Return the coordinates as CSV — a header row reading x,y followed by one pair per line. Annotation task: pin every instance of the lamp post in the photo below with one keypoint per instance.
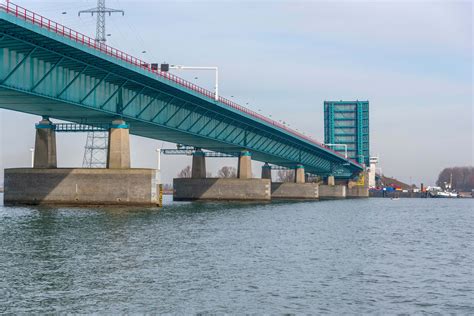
x,y
32,151
216,87
339,145
158,170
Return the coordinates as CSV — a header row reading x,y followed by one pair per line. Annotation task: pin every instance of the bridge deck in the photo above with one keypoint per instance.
x,y
51,70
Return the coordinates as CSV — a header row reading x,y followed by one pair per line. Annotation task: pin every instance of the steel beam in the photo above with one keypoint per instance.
x,y
72,81
162,109
22,61
238,135
133,98
196,121
113,94
147,106
207,123
227,126
191,112
230,133
214,128
180,107
95,87
54,66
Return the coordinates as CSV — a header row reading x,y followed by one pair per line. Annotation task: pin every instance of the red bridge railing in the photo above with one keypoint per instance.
x,y
88,41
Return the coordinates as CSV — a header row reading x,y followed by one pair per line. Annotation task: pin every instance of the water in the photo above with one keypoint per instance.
x,y
337,257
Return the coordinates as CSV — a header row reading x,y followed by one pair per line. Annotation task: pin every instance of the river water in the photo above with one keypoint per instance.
x,y
336,257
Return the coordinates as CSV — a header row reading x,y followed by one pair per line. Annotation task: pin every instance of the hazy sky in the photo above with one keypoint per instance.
x,y
411,60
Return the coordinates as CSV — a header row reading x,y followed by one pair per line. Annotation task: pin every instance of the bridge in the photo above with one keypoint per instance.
x,y
53,71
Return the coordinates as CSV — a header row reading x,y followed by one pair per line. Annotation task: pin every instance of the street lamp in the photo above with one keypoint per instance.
x,y
216,87
32,151
339,145
158,170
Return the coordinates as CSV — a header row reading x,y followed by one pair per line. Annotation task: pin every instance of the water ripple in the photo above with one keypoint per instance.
x,y
336,257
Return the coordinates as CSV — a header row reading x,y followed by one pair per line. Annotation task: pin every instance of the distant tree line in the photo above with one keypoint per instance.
x,y
463,178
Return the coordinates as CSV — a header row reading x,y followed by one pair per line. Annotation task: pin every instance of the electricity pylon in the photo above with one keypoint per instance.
x,y
95,151
101,10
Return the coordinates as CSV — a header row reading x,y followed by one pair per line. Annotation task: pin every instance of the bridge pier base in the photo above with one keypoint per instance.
x,y
297,190
356,189
331,190
45,145
244,188
221,189
81,187
45,184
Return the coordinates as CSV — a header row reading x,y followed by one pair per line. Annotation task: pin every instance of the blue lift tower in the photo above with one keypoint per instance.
x,y
346,128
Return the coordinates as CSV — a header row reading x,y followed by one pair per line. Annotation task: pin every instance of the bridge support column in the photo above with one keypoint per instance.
x,y
45,145
227,189
299,174
331,180
199,165
245,165
296,190
118,155
267,171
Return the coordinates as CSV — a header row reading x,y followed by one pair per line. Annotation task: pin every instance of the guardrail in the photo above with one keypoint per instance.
x,y
88,41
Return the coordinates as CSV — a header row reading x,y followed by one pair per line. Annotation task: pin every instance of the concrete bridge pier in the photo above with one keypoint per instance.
x,y
244,169
45,145
331,191
299,174
116,185
359,188
297,190
198,170
267,171
330,181
242,188
118,153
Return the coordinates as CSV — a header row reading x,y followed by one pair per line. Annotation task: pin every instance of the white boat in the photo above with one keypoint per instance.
x,y
444,194
448,192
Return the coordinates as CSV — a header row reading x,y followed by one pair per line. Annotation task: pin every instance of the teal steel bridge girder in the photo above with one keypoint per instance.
x,y
47,74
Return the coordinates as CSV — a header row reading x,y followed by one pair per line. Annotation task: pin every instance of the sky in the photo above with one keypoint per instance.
x,y
411,59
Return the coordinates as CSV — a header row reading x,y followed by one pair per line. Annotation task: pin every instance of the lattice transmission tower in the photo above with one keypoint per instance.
x,y
95,151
